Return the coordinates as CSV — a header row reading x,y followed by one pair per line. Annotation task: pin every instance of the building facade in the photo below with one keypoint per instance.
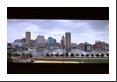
x,y
68,41
51,41
73,45
33,43
28,38
63,42
101,46
40,41
17,43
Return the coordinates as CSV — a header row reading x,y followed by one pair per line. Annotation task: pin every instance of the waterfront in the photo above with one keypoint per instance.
x,y
43,52
42,55
61,60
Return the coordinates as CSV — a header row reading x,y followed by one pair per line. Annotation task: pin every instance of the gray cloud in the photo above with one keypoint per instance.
x,y
81,30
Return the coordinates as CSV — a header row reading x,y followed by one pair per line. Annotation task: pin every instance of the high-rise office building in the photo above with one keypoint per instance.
x,y
40,41
54,41
63,42
32,43
67,41
23,42
51,41
28,38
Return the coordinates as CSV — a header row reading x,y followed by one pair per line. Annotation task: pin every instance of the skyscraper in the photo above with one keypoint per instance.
x,y
40,41
23,42
63,42
28,38
54,41
51,41
67,41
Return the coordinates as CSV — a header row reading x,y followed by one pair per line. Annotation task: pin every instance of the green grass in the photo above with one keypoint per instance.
x,y
89,60
86,60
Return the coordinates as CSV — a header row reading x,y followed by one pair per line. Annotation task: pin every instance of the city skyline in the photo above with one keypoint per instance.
x,y
81,30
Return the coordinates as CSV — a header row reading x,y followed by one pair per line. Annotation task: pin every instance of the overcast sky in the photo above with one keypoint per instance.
x,y
81,30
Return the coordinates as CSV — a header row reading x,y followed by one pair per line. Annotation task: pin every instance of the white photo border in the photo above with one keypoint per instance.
x,y
58,77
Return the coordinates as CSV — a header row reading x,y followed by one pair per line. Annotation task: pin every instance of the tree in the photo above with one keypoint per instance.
x,y
47,55
67,55
82,55
51,54
92,55
77,54
30,55
61,54
9,57
107,54
42,55
9,54
97,55
16,54
72,55
57,54
32,61
102,55
14,49
22,54
87,55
